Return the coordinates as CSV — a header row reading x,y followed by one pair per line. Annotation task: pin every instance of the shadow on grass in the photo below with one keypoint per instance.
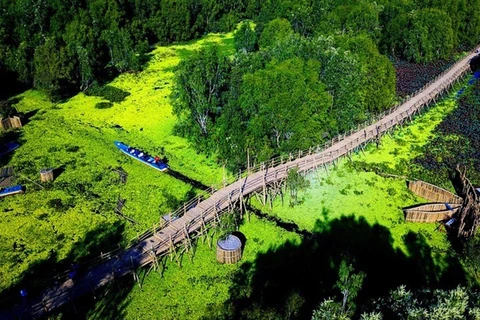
x,y
10,136
58,171
50,272
10,85
28,117
194,183
108,302
291,280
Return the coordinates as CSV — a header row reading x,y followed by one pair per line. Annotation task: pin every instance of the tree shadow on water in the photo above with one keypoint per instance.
x,y
290,281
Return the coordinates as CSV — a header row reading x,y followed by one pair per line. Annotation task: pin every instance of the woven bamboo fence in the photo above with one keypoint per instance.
x,y
433,193
10,123
430,212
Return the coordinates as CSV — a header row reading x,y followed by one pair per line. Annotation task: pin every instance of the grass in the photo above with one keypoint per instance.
x,y
73,216
200,287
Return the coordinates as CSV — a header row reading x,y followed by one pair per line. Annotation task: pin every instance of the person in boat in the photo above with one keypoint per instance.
x,y
157,159
132,151
141,154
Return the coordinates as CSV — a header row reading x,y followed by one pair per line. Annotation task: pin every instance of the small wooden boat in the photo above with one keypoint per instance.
x,y
141,156
432,193
431,212
8,147
11,190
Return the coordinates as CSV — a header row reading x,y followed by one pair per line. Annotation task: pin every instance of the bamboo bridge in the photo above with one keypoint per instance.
x,y
195,217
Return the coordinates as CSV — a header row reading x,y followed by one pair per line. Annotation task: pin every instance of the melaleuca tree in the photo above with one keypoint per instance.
x,y
52,68
275,31
286,105
245,38
201,81
423,35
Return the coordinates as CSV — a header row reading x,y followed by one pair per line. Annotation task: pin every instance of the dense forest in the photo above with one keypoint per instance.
x,y
308,71
59,46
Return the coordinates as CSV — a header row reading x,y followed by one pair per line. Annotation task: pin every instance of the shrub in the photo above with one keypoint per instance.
x,y
109,93
103,105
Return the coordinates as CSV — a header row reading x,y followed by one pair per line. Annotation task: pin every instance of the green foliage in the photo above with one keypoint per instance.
x,y
109,93
377,73
52,68
429,304
349,284
291,93
120,47
329,309
295,182
423,36
200,83
245,38
275,31
471,258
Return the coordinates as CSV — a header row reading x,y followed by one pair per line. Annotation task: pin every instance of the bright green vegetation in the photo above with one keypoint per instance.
x,y
201,287
73,216
348,189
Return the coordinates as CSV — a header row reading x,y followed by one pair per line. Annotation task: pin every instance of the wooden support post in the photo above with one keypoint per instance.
x,y
264,189
203,228
188,241
173,251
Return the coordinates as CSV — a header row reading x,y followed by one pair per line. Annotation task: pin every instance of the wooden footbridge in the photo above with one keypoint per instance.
x,y
177,233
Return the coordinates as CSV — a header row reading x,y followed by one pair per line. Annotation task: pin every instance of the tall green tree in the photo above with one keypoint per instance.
x,y
287,107
422,36
378,80
120,45
295,182
275,31
52,68
245,38
201,81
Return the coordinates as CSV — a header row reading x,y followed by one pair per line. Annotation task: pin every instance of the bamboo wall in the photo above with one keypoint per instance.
x,y
46,175
10,123
432,207
422,216
433,193
229,250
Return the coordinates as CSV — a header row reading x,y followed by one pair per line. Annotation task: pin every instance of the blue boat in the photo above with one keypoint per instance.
x,y
8,147
141,156
11,190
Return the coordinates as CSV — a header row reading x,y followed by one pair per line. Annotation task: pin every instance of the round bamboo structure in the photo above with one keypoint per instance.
x,y
229,250
46,175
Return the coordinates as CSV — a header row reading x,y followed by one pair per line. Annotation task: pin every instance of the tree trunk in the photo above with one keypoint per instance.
x,y
469,214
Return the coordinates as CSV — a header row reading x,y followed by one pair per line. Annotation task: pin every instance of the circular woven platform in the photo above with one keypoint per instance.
x,y
229,250
46,175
